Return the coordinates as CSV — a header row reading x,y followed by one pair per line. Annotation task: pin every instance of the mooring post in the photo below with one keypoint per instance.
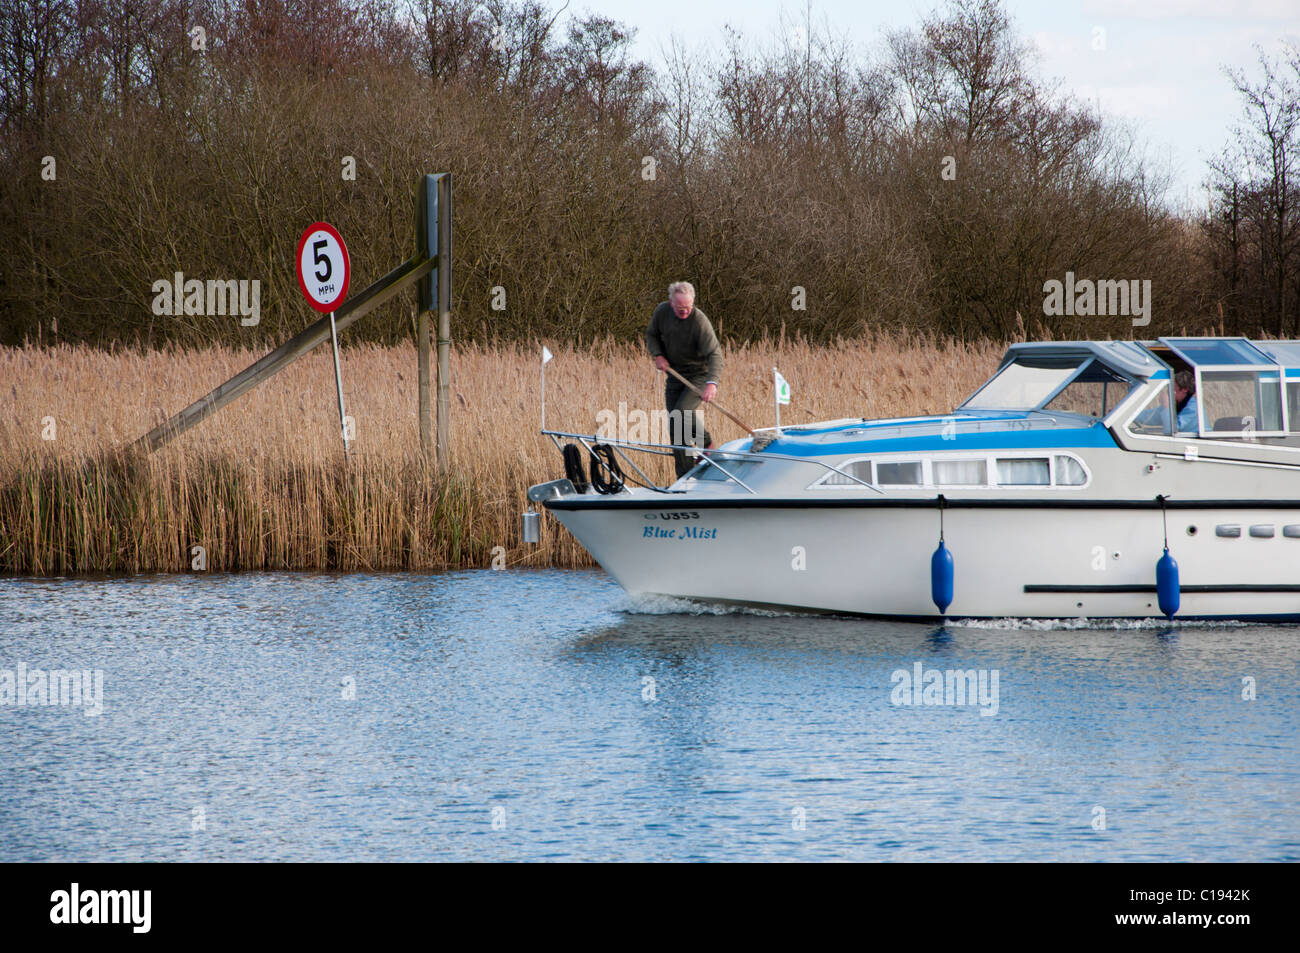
x,y
426,245
423,355
433,240
444,317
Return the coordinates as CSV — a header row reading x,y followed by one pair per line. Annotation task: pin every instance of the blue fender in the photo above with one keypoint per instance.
x,y
1167,591
941,578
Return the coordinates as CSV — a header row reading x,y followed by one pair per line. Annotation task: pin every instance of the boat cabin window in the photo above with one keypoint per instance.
x,y
1024,471
1070,472
960,472
905,473
1287,354
1059,470
858,468
1240,402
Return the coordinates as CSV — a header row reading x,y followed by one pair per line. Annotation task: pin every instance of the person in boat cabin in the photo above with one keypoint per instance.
x,y
681,336
1184,407
1185,402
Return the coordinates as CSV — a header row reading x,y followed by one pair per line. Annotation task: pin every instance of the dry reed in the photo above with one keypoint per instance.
x,y
264,484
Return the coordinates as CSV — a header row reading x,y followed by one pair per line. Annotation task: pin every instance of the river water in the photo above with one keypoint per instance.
x,y
542,715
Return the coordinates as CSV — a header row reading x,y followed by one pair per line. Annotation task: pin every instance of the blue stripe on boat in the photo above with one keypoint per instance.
x,y
1046,439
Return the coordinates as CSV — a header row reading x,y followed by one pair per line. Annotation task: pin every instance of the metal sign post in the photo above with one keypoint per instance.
x,y
338,379
324,271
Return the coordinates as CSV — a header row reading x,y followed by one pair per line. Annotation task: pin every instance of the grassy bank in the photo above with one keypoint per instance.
x,y
265,485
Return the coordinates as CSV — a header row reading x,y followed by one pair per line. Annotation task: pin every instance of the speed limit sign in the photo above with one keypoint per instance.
x,y
323,266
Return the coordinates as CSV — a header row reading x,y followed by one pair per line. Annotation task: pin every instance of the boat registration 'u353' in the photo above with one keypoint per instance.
x,y
1063,487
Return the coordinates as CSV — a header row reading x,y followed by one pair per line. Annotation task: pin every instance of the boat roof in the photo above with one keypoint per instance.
x,y
1137,359
1129,357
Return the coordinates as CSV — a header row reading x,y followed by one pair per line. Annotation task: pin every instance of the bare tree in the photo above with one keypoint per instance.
x,y
1255,228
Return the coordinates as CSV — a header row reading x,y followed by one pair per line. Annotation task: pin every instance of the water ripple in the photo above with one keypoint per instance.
x,y
525,715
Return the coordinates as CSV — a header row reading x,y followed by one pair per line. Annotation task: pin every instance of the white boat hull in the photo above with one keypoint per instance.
x,y
1058,479
1019,561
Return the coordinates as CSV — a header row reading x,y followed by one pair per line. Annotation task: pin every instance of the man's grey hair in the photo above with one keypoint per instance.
x,y
682,288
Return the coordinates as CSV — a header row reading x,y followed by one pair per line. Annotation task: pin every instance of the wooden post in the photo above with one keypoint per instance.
x,y
422,350
433,240
444,318
426,245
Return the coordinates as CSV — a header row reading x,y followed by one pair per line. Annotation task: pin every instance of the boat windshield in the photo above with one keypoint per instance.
x,y
739,467
1027,383
1094,392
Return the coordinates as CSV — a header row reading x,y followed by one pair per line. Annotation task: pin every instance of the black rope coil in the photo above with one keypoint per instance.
x,y
602,462
573,469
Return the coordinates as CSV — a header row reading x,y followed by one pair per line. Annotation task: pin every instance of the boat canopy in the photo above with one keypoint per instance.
x,y
1242,387
1128,357
1089,378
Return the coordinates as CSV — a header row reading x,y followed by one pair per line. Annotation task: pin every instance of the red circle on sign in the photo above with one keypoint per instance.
x,y
326,301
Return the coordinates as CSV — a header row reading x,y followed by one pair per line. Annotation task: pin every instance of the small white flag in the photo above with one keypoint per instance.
x,y
782,388
546,354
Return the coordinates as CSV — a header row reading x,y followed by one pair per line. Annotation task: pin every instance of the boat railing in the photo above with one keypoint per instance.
x,y
664,449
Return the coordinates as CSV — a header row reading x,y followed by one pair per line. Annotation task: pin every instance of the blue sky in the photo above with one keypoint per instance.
x,y
1160,71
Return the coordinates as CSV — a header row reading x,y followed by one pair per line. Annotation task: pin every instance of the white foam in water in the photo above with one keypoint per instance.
x,y
1065,625
647,604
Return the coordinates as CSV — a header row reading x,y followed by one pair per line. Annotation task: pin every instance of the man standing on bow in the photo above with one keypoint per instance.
x,y
680,336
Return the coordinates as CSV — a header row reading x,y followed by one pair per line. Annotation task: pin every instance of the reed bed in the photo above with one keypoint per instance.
x,y
264,484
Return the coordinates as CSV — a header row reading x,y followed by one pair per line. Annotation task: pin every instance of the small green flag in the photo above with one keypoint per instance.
x,y
782,388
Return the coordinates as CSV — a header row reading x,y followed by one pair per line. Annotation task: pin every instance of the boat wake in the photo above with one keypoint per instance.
x,y
645,604
1066,625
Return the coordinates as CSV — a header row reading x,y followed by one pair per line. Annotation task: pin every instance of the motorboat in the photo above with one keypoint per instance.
x,y
1064,487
